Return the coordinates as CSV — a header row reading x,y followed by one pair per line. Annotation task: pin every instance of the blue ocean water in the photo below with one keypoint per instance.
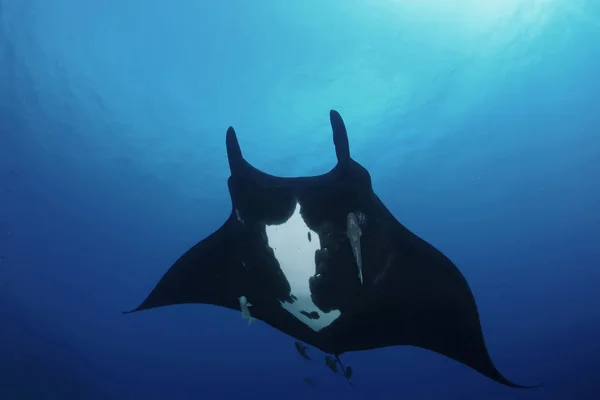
x,y
478,122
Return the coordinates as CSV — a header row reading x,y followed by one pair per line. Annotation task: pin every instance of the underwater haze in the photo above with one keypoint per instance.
x,y
478,121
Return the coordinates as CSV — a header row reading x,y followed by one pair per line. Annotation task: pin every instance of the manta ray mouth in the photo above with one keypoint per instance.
x,y
295,247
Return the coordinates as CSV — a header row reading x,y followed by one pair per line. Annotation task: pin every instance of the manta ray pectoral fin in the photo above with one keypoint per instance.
x,y
340,137
207,273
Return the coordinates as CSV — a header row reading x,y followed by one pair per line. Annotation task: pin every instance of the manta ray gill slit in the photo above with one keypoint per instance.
x,y
295,250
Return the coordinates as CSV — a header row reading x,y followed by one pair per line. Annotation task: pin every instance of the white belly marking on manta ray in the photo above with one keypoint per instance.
x,y
296,257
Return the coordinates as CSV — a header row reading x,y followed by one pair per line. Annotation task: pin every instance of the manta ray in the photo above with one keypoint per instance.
x,y
322,259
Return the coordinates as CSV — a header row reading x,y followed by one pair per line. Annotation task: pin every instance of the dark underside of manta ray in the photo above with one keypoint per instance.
x,y
323,260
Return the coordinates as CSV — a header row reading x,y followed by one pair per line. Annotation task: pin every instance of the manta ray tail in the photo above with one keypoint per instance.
x,y
340,137
337,357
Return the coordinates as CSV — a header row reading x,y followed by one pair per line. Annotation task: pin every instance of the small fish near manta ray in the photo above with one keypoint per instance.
x,y
322,259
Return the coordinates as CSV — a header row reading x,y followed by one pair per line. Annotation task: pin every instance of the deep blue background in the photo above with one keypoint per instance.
x,y
478,120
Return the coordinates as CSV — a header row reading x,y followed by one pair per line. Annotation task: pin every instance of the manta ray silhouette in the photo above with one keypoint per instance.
x,y
323,260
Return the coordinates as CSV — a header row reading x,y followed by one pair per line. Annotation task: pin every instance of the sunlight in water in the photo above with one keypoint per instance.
x,y
477,15
487,12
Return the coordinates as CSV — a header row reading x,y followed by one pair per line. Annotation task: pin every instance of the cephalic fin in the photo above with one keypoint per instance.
x,y
340,137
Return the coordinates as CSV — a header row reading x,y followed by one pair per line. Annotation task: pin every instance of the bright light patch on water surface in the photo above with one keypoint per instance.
x,y
475,16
